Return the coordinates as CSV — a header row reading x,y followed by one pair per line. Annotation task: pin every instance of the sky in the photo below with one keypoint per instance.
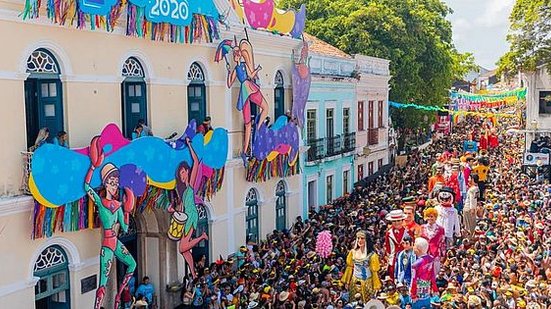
x,y
480,27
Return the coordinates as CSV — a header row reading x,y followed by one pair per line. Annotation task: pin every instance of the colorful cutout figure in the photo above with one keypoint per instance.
x,y
301,85
263,14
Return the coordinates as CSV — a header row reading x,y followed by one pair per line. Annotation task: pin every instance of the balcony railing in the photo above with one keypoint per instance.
x,y
349,140
317,149
26,157
373,136
333,145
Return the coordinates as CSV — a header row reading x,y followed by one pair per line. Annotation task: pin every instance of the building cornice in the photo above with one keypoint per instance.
x,y
15,205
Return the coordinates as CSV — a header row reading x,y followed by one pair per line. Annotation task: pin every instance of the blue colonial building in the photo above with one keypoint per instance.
x,y
330,128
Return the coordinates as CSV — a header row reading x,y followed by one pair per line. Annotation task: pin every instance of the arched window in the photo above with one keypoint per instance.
x,y
251,201
196,96
43,97
52,289
281,206
279,96
202,247
134,98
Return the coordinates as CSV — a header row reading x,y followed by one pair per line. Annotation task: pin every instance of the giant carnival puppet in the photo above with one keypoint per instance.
x,y
268,150
448,217
393,238
122,178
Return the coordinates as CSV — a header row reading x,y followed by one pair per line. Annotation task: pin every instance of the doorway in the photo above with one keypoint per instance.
x,y
52,291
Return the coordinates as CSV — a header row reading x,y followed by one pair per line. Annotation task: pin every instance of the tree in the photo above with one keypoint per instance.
x,y
530,37
413,34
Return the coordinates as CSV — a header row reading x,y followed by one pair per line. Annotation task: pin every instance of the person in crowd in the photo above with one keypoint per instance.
x,y
204,127
146,289
138,130
146,130
471,202
41,138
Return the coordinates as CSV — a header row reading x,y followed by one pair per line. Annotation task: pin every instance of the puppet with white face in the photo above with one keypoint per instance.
x,y
448,217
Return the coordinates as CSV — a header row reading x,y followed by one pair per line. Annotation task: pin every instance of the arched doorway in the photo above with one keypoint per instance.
x,y
251,201
202,248
281,206
43,96
196,94
279,96
134,98
130,241
52,291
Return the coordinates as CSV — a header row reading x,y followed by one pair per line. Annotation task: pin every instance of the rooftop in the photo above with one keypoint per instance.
x,y
320,47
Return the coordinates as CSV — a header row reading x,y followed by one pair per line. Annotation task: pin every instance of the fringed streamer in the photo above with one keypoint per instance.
x,y
211,185
66,12
263,170
71,217
154,198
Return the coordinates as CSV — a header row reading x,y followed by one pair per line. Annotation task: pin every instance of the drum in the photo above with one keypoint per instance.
x,y
177,224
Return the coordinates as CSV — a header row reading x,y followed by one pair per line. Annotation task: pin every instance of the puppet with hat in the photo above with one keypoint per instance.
x,y
393,238
362,268
448,217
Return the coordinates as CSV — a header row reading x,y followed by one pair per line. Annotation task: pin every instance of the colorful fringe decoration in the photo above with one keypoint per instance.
x,y
71,217
209,186
67,12
263,170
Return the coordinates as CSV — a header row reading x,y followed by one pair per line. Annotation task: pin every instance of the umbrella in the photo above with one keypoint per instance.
x,y
223,49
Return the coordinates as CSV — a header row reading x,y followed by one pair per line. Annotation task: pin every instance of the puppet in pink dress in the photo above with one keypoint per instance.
x,y
423,283
436,237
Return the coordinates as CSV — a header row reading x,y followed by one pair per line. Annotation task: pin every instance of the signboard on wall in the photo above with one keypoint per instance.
x,y
88,284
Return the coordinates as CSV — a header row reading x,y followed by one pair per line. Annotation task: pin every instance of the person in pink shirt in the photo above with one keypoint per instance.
x,y
436,237
423,283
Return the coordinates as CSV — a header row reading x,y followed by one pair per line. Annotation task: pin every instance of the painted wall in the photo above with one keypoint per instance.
x,y
91,82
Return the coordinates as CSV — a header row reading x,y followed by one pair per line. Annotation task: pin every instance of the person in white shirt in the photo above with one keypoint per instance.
x,y
448,217
471,201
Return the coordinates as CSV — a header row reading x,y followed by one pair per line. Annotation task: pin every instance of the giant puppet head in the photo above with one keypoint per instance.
x,y
446,197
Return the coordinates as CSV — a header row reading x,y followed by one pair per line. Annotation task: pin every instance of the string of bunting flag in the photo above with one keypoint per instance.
x,y
442,109
511,96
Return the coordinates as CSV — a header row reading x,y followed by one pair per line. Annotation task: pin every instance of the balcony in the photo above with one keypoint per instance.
x,y
331,146
373,136
26,168
349,140
317,149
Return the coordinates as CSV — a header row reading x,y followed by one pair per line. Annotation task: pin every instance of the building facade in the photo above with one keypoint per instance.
x,y
372,125
329,131
78,81
538,104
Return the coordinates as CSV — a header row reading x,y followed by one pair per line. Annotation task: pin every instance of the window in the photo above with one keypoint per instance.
x,y
251,202
330,129
279,96
360,172
312,194
345,182
202,248
346,120
329,188
281,205
134,99
311,124
370,168
52,289
43,98
379,164
370,119
380,114
360,116
196,96
545,102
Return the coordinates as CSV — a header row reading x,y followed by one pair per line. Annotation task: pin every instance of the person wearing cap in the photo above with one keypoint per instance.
x,y
393,238
113,216
362,268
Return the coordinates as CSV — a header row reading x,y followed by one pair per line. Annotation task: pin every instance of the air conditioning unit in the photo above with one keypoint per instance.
x,y
531,158
366,151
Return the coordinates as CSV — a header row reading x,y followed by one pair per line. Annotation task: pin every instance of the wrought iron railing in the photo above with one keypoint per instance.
x,y
317,149
349,142
333,145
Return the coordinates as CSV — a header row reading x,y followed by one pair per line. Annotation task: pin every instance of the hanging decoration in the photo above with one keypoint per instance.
x,y
177,21
442,109
262,145
263,14
472,101
301,85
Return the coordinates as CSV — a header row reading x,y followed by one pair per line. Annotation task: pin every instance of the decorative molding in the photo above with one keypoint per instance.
x,y
7,75
18,286
91,262
15,205
73,256
92,79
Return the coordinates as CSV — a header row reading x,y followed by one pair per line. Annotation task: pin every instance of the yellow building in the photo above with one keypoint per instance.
x,y
79,80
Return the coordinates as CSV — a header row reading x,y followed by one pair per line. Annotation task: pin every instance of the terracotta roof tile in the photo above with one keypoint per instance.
x,y
322,48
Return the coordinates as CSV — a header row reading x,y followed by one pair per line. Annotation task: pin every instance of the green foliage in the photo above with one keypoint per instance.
x,y
529,36
413,34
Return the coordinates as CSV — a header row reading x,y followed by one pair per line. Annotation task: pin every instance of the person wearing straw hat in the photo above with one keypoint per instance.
x,y
393,238
362,268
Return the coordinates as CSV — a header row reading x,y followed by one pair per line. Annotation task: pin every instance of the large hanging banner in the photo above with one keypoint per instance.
x,y
268,151
263,14
182,21
103,184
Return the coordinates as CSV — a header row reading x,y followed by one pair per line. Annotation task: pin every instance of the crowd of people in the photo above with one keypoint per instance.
x,y
478,238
